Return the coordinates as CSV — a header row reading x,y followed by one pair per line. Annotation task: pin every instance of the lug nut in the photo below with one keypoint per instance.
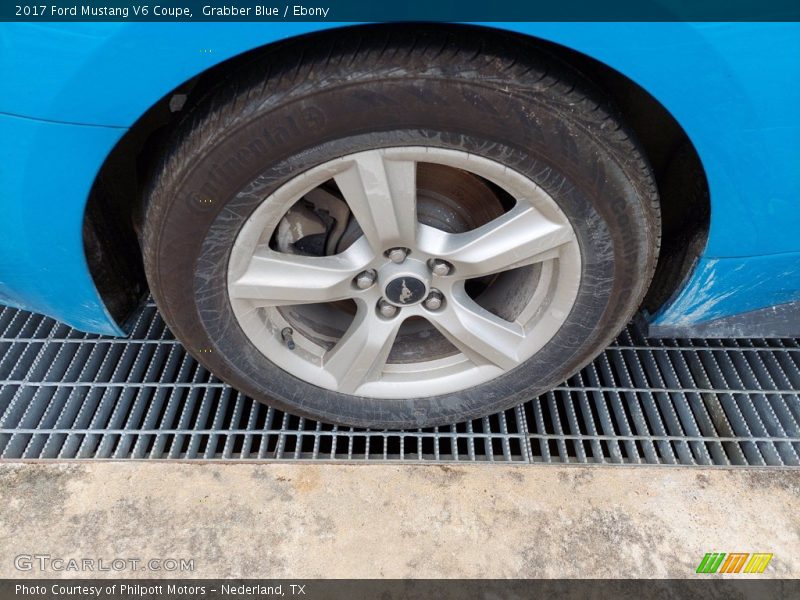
x,y
387,310
440,267
397,255
365,279
434,300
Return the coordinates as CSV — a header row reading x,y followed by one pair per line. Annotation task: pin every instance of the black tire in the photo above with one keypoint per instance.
x,y
479,91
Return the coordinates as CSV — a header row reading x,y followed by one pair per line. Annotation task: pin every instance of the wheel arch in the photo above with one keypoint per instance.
x,y
113,211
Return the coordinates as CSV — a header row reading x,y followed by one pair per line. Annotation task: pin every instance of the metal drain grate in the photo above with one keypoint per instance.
x,y
66,395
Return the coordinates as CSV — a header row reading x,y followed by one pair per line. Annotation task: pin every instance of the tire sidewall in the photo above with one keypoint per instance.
x,y
235,170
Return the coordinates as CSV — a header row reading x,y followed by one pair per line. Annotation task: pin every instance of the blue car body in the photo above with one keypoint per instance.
x,y
71,91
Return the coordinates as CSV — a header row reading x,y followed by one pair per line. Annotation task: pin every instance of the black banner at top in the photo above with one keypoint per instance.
x,y
399,10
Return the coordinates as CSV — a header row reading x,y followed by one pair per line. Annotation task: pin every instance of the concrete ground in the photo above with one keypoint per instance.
x,y
308,521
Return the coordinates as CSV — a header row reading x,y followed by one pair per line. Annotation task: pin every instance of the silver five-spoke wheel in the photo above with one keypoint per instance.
x,y
367,276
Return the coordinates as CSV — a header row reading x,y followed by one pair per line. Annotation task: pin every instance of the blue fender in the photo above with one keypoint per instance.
x,y
72,90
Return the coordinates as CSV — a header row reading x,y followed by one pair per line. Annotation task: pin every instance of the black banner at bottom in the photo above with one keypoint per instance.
x,y
388,589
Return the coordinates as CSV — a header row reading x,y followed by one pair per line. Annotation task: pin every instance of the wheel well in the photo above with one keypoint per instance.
x,y
114,210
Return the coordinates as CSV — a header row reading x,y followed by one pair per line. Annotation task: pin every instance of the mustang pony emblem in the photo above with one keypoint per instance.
x,y
405,293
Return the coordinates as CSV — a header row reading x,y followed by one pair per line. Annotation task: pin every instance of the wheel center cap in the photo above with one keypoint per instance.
x,y
405,290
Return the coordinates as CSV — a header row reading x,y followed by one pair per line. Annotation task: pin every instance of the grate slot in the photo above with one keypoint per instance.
x,y
651,409
745,405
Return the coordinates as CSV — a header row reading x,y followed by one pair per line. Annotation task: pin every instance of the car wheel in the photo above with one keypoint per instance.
x,y
398,231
